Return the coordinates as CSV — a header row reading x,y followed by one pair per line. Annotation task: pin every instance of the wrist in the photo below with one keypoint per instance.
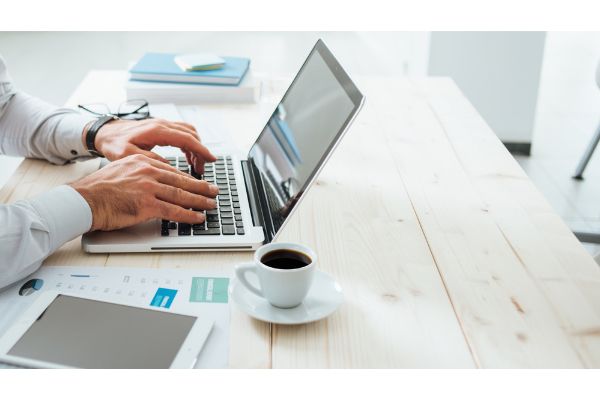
x,y
84,133
89,199
92,142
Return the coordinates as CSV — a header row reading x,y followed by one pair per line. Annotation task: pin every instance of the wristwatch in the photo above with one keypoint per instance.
x,y
90,136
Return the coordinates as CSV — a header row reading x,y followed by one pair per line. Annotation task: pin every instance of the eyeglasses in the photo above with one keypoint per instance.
x,y
130,109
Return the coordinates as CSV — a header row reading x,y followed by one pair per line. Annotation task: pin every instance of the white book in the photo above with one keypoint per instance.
x,y
248,91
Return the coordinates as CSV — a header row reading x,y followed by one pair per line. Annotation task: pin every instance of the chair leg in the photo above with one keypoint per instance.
x,y
587,155
587,237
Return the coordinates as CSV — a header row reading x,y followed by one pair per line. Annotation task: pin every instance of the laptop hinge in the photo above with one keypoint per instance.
x,y
256,208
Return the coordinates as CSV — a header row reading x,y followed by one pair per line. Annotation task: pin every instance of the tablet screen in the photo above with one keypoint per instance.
x,y
93,334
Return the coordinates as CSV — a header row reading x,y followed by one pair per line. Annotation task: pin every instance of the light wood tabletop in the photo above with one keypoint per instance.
x,y
447,254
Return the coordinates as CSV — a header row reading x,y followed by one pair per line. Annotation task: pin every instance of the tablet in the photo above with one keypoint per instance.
x,y
61,330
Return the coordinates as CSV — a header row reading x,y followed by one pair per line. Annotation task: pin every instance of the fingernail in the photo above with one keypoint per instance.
x,y
213,188
201,217
213,203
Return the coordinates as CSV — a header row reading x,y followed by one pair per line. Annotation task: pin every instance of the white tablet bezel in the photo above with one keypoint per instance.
x,y
186,356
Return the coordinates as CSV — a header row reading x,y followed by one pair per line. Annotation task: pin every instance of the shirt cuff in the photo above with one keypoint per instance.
x,y
71,128
67,213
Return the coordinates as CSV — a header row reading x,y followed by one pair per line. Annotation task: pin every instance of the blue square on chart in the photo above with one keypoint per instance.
x,y
163,297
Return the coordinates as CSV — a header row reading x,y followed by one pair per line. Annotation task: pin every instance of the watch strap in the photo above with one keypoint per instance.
x,y
90,136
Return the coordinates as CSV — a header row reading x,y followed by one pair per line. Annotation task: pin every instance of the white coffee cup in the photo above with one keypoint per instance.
x,y
283,288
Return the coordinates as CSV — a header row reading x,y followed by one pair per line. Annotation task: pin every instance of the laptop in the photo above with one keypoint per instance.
x,y
259,191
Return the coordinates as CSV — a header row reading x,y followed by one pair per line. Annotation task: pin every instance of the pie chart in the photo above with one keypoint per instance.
x,y
31,286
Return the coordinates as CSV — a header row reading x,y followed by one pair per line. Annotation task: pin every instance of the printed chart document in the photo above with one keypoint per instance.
x,y
184,290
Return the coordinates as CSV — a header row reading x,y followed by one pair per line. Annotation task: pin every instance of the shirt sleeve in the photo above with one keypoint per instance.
x,y
32,128
33,229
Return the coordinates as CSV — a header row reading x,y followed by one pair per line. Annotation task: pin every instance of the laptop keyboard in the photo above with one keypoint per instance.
x,y
226,219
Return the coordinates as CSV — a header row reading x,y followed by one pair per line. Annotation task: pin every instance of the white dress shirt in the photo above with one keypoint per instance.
x,y
30,230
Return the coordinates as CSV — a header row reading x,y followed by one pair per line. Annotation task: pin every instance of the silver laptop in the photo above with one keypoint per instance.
x,y
258,192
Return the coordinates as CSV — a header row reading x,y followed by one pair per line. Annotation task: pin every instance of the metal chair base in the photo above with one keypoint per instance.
x,y
587,237
589,151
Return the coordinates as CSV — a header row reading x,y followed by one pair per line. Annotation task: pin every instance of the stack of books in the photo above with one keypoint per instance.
x,y
158,78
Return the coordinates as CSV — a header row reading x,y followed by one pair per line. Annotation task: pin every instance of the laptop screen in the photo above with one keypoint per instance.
x,y
303,129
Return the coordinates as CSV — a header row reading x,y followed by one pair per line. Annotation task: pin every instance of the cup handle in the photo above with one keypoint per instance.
x,y
240,272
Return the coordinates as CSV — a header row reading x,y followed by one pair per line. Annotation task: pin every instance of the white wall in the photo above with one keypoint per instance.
x,y
498,71
50,64
569,100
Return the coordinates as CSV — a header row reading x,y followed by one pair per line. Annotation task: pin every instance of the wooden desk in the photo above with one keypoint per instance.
x,y
447,253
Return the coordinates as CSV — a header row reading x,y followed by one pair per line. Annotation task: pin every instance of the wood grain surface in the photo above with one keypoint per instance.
x,y
447,254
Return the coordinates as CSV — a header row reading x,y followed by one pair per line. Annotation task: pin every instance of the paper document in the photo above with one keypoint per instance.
x,y
189,291
211,130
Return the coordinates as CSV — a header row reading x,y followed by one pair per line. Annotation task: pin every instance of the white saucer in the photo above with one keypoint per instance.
x,y
324,297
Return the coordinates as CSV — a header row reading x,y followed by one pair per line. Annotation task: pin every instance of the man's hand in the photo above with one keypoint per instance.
x,y
138,188
122,138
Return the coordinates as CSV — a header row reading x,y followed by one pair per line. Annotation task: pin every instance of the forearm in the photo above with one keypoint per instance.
x,y
32,128
34,229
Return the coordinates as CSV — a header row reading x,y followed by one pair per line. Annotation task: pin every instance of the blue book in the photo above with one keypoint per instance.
x,y
161,67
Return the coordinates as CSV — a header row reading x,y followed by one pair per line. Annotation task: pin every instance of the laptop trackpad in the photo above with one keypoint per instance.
x,y
134,233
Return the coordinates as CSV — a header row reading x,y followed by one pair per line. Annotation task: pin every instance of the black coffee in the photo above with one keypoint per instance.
x,y
285,259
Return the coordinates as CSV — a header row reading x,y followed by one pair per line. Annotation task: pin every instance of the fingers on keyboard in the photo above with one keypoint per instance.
x,y
226,219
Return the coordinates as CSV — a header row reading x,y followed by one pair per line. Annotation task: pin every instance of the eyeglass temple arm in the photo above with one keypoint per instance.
x,y
134,111
88,110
